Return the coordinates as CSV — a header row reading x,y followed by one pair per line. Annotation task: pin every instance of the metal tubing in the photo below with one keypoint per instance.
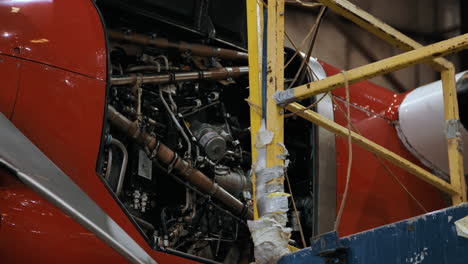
x,y
196,49
234,182
374,69
374,148
142,223
109,165
177,124
187,201
380,29
121,146
211,74
183,168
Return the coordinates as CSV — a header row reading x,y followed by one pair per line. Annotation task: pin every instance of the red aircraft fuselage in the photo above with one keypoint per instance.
x,y
53,67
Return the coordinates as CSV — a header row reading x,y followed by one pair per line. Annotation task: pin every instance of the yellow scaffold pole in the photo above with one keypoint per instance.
x,y
373,147
455,153
254,35
380,29
374,69
397,39
275,81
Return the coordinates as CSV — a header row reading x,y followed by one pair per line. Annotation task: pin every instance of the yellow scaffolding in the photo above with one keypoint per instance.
x,y
263,107
254,22
415,54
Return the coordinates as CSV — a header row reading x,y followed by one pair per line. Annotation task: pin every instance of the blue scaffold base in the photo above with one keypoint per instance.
x,y
427,239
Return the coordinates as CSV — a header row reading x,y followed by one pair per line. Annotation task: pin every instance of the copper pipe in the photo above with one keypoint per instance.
x,y
211,74
181,167
196,49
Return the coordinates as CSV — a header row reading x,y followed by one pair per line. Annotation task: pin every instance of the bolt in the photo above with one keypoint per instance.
x,y
281,13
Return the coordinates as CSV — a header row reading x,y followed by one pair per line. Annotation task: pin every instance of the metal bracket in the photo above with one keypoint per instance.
x,y
203,21
330,247
285,97
155,151
172,163
452,128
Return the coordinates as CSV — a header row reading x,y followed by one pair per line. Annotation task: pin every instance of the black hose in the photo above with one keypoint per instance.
x,y
143,223
163,221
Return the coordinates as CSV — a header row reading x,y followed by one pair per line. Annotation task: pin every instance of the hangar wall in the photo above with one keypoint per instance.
x,y
426,21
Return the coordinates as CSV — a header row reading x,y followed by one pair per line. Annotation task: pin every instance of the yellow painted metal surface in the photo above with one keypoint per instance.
x,y
374,148
383,66
254,34
274,119
394,37
457,177
275,81
415,54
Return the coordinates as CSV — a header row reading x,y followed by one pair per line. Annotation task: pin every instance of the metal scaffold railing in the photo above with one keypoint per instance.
x,y
416,54
269,101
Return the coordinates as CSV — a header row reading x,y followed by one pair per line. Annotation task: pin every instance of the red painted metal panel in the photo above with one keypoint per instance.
x,y
34,231
66,34
374,197
62,114
370,96
9,74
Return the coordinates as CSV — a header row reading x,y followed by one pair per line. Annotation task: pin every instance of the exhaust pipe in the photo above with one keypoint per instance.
x,y
178,165
196,49
212,74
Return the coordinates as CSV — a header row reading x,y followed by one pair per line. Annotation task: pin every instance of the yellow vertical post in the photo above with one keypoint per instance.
x,y
254,36
455,156
263,84
275,81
